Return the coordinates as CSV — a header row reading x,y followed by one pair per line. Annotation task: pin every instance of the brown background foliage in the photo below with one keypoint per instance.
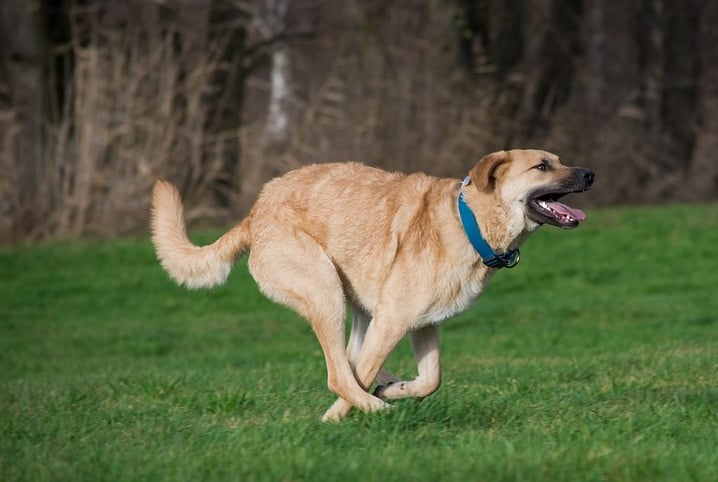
x,y
99,98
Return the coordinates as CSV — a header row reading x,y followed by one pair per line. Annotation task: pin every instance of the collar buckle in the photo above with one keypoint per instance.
x,y
508,259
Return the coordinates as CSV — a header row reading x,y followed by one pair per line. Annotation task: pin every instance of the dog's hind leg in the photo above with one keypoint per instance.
x,y
360,323
425,344
295,271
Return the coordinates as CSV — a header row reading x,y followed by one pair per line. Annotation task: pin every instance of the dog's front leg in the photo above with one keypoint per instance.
x,y
360,324
425,344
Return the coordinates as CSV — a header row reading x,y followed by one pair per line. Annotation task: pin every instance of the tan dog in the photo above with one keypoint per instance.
x,y
393,246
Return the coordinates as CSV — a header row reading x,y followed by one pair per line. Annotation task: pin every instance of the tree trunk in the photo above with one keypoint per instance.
x,y
22,106
228,29
271,21
279,99
704,171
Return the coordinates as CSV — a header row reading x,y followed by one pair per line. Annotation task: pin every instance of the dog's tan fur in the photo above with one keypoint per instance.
x,y
390,245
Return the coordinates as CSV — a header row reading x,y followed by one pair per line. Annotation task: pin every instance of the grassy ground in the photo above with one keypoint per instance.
x,y
595,359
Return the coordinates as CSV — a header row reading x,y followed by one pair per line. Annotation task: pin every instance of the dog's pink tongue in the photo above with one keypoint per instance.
x,y
575,213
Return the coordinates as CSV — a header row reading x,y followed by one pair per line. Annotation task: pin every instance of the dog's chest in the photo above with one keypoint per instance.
x,y
456,296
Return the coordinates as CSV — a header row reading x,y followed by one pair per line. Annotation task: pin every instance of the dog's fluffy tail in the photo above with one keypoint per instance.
x,y
190,265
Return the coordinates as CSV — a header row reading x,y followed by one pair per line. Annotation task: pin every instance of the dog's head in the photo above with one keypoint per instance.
x,y
530,182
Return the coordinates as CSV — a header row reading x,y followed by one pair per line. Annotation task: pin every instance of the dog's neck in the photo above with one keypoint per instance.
x,y
501,229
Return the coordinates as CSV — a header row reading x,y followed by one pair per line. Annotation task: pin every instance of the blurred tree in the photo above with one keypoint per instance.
x,y
23,104
703,168
98,98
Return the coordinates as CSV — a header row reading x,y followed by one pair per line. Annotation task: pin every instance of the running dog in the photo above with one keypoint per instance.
x,y
405,252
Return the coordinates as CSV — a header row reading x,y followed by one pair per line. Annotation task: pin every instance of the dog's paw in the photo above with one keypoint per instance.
x,y
390,390
331,416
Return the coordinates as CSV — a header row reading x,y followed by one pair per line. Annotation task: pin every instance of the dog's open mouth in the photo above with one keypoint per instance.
x,y
546,209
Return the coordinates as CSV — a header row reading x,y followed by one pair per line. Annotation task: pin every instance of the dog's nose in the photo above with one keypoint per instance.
x,y
587,175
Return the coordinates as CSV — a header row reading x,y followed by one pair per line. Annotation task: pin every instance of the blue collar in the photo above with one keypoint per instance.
x,y
508,259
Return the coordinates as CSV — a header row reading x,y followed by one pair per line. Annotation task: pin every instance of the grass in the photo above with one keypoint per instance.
x,y
595,359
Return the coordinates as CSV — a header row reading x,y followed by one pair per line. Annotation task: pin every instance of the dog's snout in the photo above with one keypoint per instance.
x,y
587,175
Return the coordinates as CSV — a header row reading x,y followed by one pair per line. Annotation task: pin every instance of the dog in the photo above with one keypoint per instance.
x,y
405,252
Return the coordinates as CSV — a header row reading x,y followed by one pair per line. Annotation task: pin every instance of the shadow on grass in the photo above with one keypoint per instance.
x,y
436,413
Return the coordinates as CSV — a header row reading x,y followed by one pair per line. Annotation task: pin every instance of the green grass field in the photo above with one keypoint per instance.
x,y
595,359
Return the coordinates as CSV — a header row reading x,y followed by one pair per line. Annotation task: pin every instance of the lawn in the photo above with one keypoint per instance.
x,y
595,359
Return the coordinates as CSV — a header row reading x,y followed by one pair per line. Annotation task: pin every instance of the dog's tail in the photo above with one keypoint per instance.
x,y
190,265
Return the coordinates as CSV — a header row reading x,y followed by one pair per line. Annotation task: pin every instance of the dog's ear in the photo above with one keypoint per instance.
x,y
485,173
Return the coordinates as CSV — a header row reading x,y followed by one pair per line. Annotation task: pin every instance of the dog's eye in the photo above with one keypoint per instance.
x,y
542,167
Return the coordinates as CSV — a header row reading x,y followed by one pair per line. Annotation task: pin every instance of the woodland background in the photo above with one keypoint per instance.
x,y
98,98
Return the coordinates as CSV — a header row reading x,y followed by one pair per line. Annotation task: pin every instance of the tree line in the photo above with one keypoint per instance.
x,y
99,98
